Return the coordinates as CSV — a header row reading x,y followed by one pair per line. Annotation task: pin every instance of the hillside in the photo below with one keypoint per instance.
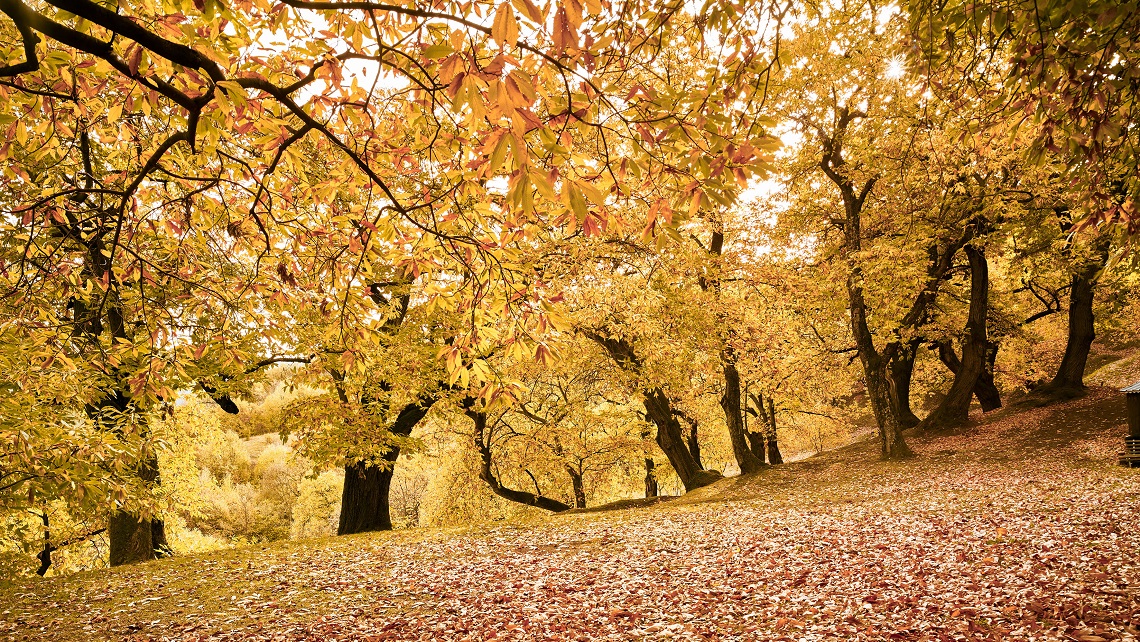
x,y
1019,528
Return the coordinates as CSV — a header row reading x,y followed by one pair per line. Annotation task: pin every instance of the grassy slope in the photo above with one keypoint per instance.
x,y
1018,528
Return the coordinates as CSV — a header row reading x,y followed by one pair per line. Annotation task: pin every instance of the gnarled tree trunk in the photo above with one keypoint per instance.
x,y
985,391
955,407
487,472
660,411
902,370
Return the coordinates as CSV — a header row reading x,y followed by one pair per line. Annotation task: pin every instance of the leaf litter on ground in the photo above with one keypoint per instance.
x,y
1017,528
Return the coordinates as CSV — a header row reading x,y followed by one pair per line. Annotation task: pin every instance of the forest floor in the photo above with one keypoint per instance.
x,y
1020,527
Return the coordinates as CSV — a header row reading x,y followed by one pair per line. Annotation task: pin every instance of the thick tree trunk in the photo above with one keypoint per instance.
x,y
578,487
774,456
364,499
1070,378
955,407
692,437
660,411
730,402
364,503
985,390
902,370
487,472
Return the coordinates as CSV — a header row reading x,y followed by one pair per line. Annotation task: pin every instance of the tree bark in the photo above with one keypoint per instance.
x,y
955,407
902,370
730,402
876,372
985,390
774,456
692,437
364,499
1070,378
487,473
650,478
660,411
577,486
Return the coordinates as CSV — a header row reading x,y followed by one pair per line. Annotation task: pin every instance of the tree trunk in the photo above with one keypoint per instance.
x,y
364,498
985,390
134,538
487,473
672,442
578,487
730,402
650,478
902,369
692,438
774,456
659,410
364,503
756,444
1070,378
955,407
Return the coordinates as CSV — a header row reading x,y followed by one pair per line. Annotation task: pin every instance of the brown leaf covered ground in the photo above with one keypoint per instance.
x,y
1020,528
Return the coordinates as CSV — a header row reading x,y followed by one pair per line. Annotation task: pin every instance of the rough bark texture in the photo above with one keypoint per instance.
x,y
985,390
364,499
955,407
692,437
730,402
660,411
902,369
487,471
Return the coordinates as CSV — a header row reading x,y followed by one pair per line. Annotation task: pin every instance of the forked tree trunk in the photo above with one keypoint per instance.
x,y
985,390
660,411
672,442
364,501
955,407
730,402
902,370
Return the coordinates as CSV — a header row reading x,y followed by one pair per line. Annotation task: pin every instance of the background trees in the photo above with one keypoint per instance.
x,y
544,248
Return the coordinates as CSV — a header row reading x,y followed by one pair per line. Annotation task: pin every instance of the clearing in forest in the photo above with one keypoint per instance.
x,y
1019,527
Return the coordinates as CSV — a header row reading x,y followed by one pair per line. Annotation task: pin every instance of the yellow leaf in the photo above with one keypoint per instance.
x,y
505,30
114,112
529,9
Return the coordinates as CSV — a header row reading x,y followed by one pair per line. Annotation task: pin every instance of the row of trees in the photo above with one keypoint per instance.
x,y
572,224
